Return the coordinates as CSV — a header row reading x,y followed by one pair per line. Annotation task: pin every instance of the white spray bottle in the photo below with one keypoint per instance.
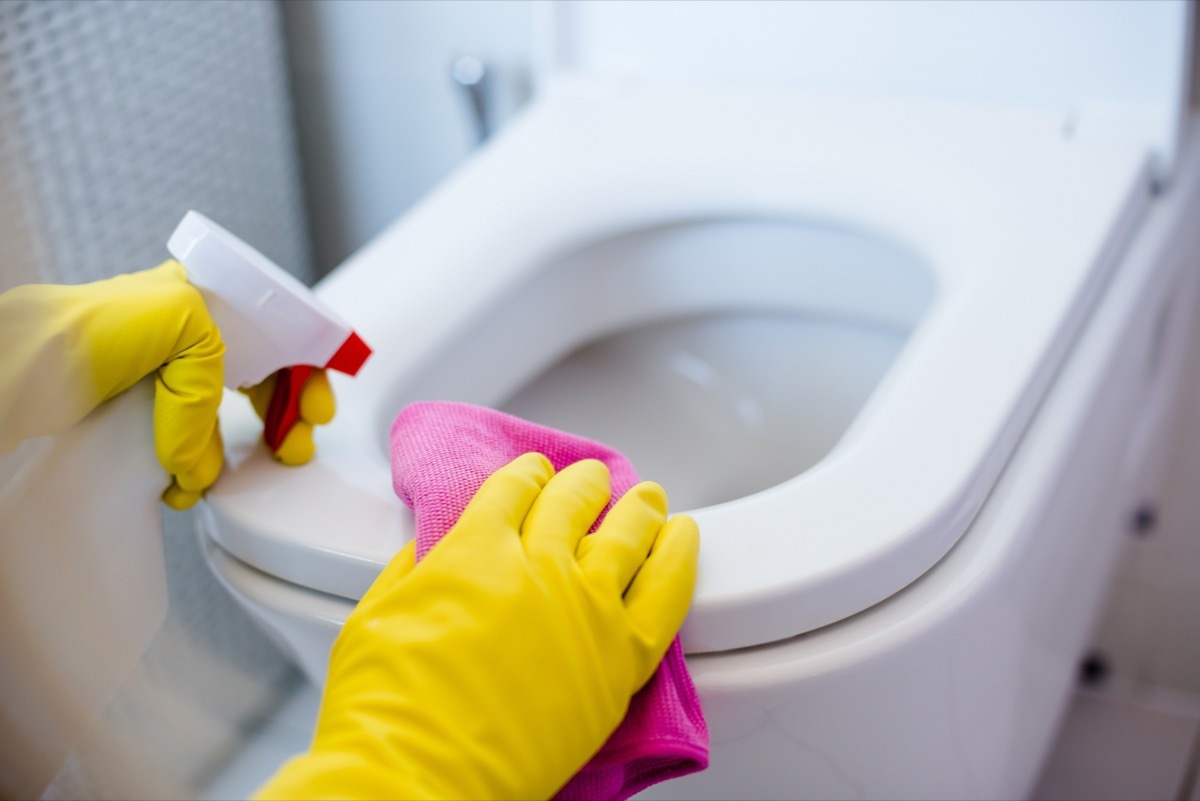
x,y
270,322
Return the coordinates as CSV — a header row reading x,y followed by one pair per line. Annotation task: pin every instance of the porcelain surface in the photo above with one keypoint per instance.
x,y
983,235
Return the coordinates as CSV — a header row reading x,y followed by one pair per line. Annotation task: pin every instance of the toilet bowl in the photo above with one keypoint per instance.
x,y
903,375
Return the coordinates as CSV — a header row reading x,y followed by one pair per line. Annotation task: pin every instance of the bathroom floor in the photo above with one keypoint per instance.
x,y
1125,741
1118,741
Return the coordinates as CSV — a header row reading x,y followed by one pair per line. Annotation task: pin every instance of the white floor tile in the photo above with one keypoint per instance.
x,y
1123,744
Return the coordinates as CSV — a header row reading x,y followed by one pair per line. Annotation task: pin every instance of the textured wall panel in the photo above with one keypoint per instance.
x,y
117,117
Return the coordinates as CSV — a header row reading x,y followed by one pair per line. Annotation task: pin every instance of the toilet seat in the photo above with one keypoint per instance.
x,y
1019,221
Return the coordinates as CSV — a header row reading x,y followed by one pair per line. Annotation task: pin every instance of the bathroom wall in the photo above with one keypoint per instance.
x,y
1151,631
380,119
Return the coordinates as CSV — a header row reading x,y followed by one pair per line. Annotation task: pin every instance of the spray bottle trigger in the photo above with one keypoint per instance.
x,y
284,408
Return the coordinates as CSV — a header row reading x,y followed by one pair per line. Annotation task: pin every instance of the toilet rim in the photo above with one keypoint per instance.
x,y
846,554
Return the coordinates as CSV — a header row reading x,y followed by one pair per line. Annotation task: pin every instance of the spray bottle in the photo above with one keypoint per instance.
x,y
270,322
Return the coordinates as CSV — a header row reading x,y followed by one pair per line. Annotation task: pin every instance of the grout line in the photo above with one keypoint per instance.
x,y
1165,700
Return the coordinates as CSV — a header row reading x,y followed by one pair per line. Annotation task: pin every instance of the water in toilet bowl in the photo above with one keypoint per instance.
x,y
716,406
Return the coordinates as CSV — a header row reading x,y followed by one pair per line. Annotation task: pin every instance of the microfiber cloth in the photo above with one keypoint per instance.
x,y
441,454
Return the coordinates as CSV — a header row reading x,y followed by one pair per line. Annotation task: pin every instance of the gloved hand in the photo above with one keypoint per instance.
x,y
70,348
316,408
67,349
501,663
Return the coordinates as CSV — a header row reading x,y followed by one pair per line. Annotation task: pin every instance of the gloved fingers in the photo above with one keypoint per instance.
x,y
567,508
317,407
260,395
504,499
190,371
657,600
204,472
611,557
185,415
317,403
298,446
178,498
188,487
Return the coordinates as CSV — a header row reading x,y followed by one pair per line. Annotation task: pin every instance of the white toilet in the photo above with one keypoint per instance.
x,y
903,359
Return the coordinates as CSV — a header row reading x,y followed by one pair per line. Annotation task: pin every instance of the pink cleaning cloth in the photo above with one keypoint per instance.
x,y
441,454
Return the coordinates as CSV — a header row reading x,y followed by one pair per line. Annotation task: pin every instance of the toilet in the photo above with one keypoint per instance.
x,y
904,358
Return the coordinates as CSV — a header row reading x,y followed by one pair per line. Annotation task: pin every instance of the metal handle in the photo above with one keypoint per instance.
x,y
471,73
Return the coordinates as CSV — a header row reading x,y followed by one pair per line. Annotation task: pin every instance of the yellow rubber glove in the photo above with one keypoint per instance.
x,y
67,349
317,407
502,662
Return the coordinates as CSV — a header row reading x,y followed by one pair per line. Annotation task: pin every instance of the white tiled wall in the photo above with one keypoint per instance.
x,y
1137,734
380,119
1151,630
1126,741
